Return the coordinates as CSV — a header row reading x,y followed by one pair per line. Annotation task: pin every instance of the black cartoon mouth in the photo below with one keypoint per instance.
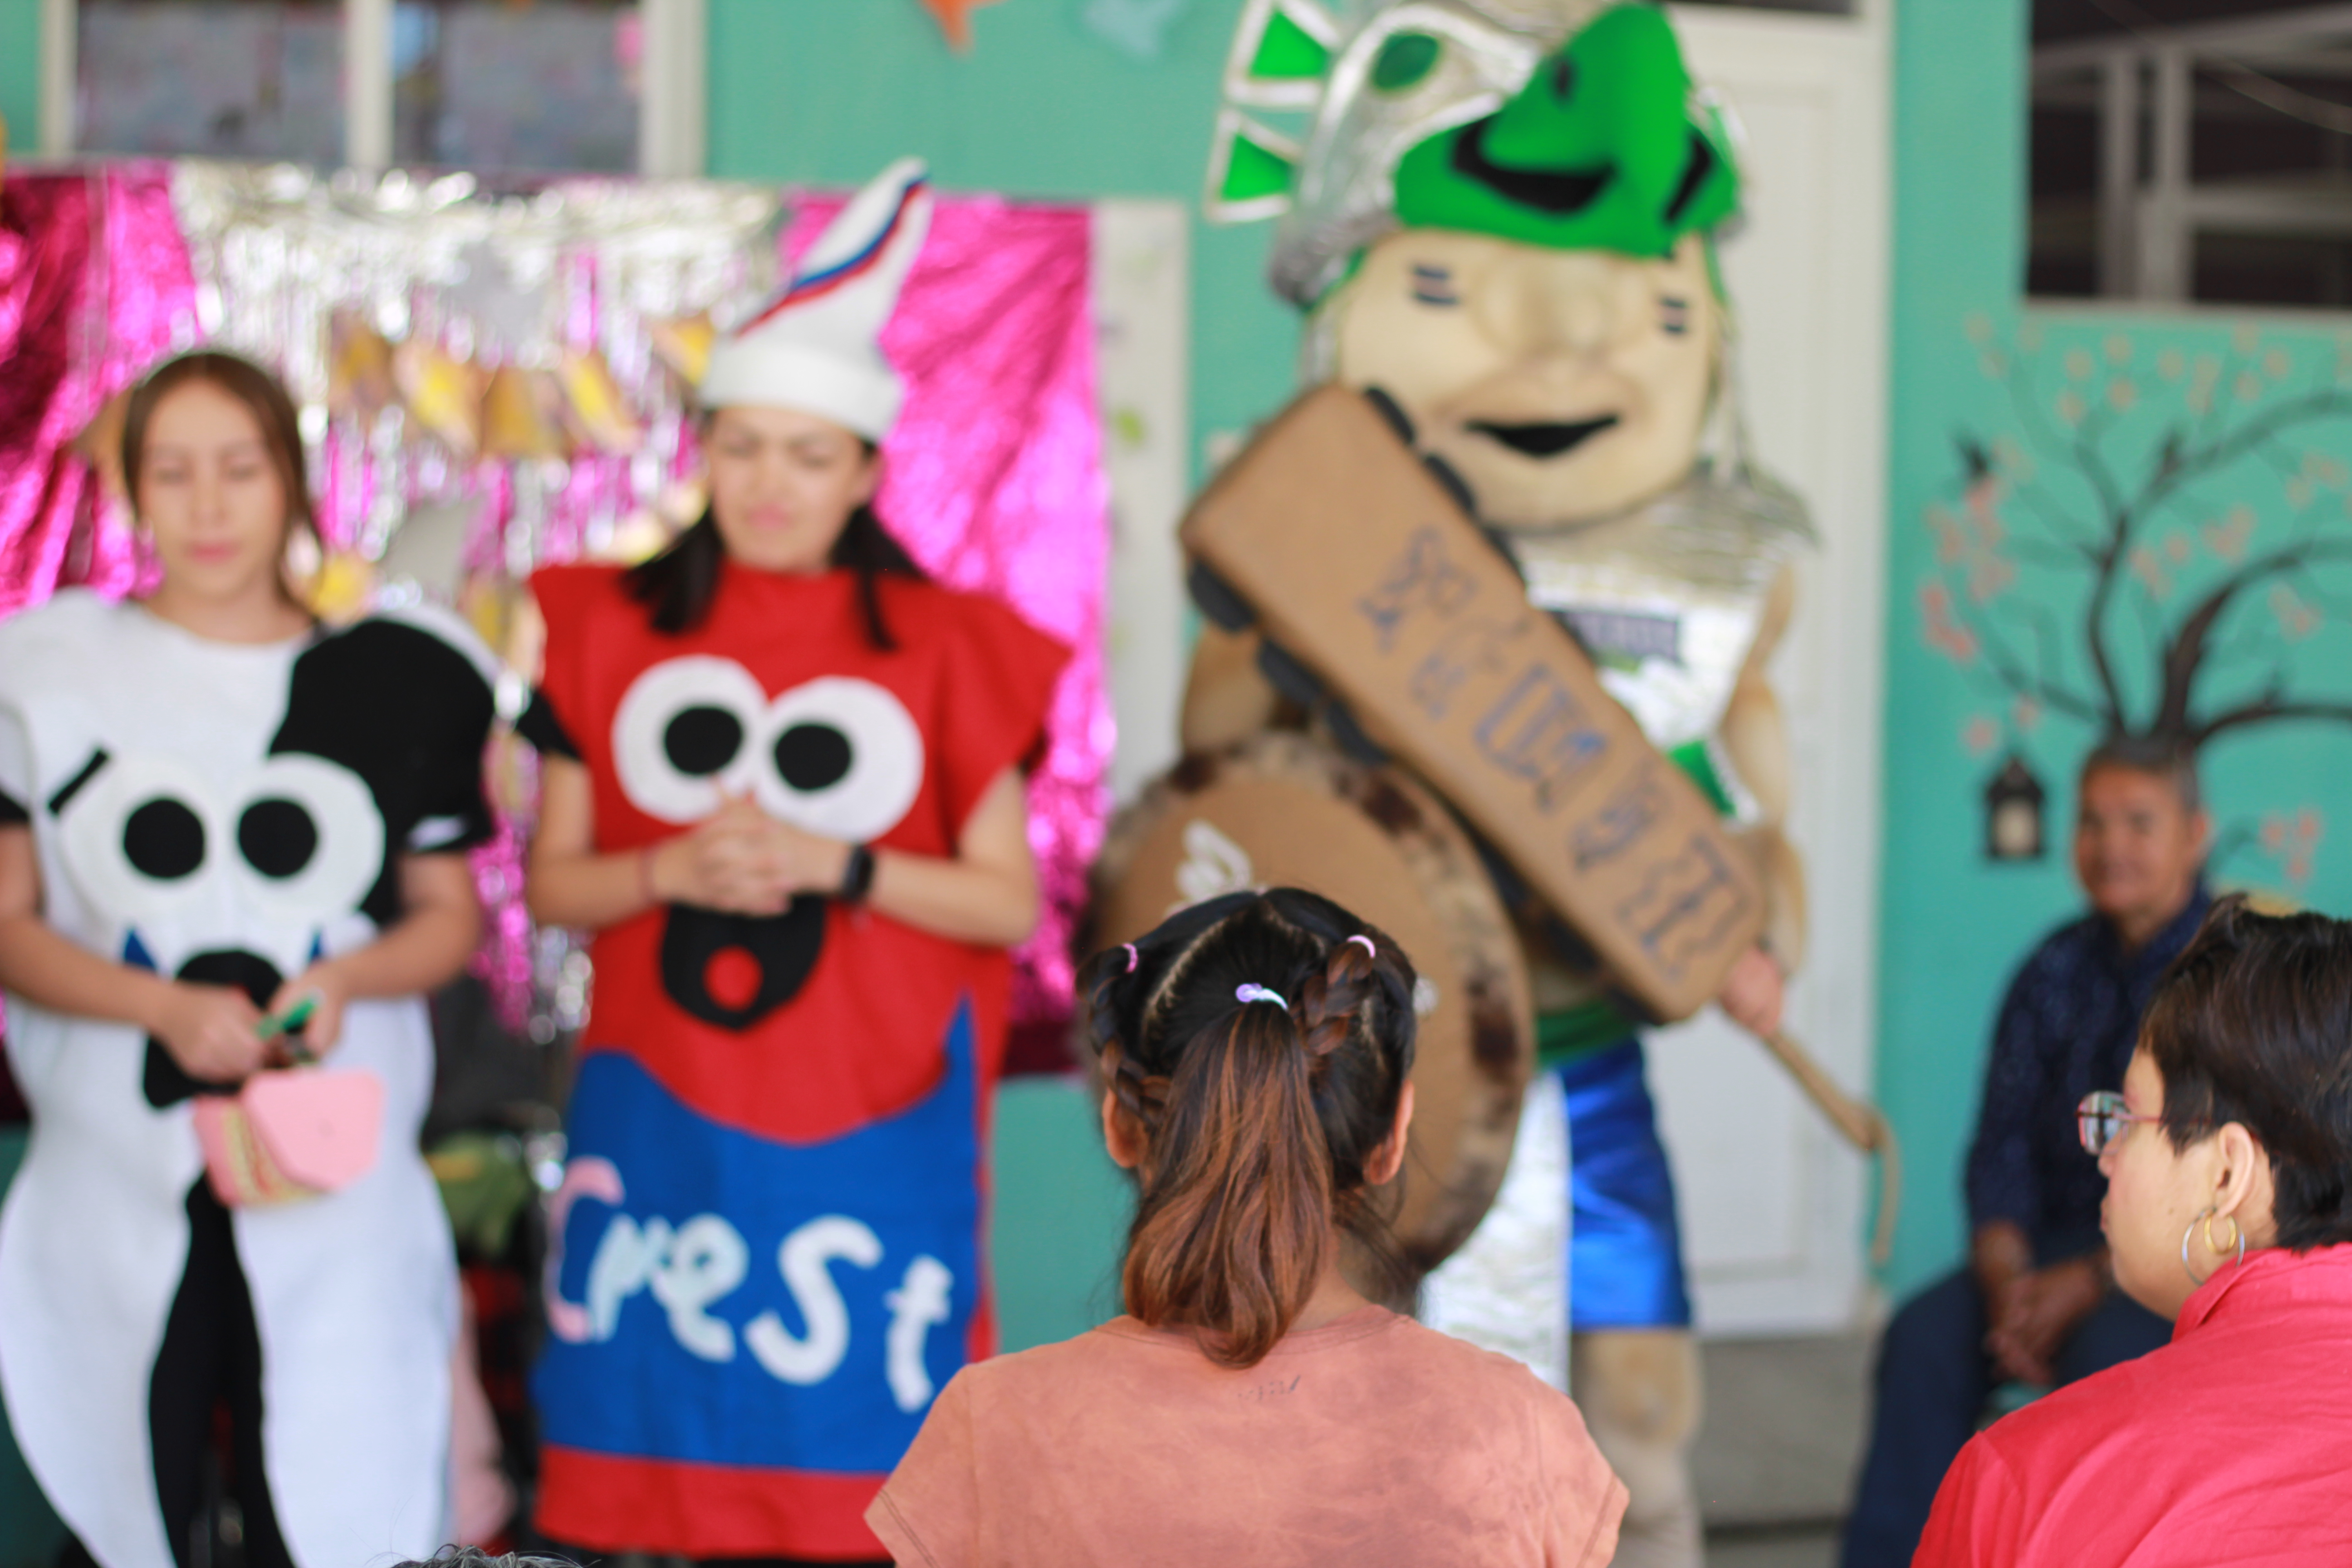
x,y
1559,192
731,971
1545,441
165,1081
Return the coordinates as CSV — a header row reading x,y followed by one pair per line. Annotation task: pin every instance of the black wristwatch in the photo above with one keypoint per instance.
x,y
857,875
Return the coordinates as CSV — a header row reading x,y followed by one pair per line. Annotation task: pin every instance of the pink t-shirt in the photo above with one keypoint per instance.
x,y
1369,1441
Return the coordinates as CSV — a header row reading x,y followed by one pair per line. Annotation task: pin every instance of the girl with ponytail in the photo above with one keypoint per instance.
x,y
1256,1053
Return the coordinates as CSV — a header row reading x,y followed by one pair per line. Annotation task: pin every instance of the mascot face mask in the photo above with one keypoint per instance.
x,y
1564,385
1501,220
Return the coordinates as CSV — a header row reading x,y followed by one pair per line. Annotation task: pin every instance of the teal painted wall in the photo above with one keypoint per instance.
x,y
1060,1214
20,71
825,91
1957,253
2074,411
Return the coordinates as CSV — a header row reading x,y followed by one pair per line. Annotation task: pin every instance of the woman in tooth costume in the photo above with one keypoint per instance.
x,y
211,806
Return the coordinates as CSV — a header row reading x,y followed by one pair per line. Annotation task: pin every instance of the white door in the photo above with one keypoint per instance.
x,y
1773,1204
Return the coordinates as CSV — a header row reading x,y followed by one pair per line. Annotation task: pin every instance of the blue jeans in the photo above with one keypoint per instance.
x,y
1933,1380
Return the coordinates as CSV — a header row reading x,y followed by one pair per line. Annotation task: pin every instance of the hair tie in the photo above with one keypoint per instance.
x,y
1131,956
1255,992
1367,941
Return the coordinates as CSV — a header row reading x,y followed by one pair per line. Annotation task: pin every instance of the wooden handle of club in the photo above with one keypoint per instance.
x,y
1864,1126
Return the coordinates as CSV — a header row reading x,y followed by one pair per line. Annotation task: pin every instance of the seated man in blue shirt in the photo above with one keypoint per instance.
x,y
2036,1303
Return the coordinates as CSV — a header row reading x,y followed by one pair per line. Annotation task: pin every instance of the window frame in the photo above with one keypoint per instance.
x,y
670,121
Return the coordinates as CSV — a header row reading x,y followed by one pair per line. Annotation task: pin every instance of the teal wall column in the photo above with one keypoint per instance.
x,y
20,72
1949,934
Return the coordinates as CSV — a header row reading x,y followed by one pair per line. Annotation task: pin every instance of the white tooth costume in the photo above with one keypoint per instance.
x,y
289,774
816,346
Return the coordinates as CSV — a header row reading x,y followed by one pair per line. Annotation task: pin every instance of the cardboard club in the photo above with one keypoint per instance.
x,y
1357,564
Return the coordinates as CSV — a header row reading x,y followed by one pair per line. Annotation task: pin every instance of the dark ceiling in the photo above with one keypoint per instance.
x,y
2055,19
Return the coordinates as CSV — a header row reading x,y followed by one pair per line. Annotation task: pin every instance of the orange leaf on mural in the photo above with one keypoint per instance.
x,y
955,19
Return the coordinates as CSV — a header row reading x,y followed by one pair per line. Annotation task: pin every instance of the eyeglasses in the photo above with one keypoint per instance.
x,y
2102,1118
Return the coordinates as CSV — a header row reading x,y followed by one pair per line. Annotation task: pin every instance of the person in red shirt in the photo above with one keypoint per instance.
x,y
2229,1210
1257,1050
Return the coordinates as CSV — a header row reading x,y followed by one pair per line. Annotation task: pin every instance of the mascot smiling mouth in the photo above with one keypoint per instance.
x,y
1545,441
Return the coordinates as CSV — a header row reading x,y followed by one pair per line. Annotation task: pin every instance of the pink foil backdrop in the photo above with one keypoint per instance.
x,y
995,483
94,286
995,478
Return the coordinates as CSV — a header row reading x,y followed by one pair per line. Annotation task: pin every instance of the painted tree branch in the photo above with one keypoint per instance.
x,y
2265,709
2185,657
2224,433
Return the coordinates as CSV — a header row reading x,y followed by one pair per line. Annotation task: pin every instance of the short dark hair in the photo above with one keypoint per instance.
x,y
2252,1023
2155,756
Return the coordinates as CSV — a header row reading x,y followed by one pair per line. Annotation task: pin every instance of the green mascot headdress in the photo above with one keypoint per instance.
x,y
1566,123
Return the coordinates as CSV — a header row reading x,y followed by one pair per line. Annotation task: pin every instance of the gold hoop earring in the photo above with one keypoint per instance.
x,y
2205,1220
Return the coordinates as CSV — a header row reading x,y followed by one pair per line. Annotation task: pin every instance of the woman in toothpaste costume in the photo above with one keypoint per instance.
x,y
783,787
211,806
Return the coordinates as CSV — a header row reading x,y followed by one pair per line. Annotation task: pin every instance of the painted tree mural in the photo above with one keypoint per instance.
x,y
2157,544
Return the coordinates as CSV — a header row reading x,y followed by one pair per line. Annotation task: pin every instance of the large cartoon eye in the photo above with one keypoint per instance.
x,y
682,734
309,832
163,838
846,760
136,832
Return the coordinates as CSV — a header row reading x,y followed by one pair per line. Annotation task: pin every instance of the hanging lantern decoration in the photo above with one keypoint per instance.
x,y
955,19
2014,803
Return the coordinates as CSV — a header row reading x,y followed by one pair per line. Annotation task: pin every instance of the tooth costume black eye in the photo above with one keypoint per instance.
x,y
310,841
162,838
277,836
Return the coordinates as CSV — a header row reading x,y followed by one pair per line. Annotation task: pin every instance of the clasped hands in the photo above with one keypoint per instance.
x,y
2031,1311
742,861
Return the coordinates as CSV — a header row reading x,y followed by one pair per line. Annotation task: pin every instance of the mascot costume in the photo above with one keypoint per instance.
x,y
1502,227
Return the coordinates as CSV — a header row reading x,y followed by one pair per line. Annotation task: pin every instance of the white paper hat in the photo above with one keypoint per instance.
x,y
816,345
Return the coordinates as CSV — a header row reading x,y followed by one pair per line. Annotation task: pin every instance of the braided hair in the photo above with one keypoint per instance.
x,y
1258,1120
